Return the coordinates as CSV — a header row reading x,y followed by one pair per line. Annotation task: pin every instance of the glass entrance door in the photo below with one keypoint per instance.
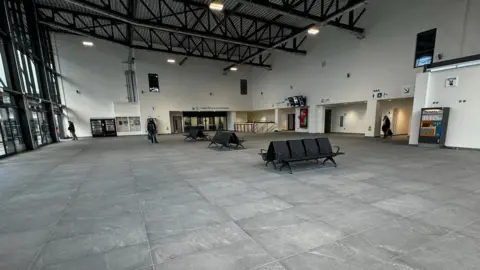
x,y
3,151
6,131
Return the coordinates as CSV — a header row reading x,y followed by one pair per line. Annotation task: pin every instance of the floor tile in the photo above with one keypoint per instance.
x,y
169,248
251,209
455,251
242,255
402,236
81,246
295,239
274,221
442,193
337,255
359,220
448,217
406,205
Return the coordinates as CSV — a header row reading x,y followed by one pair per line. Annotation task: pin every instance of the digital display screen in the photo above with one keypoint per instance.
x,y
423,61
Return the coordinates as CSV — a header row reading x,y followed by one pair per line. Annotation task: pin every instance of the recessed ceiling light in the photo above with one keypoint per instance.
x,y
87,43
171,61
217,6
233,68
313,31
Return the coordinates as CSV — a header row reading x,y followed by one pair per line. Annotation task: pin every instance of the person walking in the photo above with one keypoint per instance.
x,y
386,127
152,130
71,128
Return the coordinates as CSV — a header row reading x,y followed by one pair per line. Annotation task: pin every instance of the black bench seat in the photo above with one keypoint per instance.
x,y
196,134
226,139
286,152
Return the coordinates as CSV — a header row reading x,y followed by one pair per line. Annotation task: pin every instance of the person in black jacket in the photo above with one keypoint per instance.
x,y
152,130
71,128
386,127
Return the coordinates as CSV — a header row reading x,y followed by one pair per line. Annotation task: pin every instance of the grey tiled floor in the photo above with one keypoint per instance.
x,y
124,204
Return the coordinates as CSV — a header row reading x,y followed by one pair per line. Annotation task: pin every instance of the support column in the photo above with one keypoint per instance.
x,y
422,84
277,120
372,119
231,118
320,120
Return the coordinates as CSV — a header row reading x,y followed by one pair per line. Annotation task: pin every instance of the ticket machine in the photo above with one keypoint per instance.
x,y
433,126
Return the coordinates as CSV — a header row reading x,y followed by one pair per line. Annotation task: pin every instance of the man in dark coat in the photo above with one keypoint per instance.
x,y
152,130
386,127
71,128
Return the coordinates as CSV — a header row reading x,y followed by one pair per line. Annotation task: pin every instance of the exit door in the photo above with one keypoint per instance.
x,y
328,121
177,124
291,121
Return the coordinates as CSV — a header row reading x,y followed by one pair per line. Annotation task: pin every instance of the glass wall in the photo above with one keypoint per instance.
x,y
209,121
29,90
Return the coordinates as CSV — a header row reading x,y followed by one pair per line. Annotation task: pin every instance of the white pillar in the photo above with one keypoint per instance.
x,y
372,119
320,119
422,84
277,120
231,118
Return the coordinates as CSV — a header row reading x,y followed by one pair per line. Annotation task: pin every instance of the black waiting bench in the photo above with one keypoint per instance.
x,y
286,152
195,134
226,139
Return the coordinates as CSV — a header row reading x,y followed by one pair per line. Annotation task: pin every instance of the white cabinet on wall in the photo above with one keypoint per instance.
x,y
129,125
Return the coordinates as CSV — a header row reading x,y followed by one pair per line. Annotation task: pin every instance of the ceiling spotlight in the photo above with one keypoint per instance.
x,y
217,6
87,43
313,31
171,61
233,68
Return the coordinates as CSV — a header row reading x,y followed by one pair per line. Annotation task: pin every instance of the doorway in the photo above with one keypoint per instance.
x,y
328,121
291,121
177,124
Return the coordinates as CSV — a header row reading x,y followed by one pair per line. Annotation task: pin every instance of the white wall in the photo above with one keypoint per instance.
x,y
98,73
188,86
126,109
383,60
463,128
354,118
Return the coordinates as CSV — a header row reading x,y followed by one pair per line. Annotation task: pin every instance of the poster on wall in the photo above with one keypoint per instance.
x,y
303,118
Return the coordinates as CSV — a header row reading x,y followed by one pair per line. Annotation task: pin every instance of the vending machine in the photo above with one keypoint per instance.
x,y
433,126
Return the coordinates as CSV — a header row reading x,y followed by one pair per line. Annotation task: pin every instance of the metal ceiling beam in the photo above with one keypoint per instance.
x,y
328,19
332,16
168,28
70,29
236,13
132,9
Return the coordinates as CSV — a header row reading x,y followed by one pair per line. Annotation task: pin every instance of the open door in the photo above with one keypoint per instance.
x,y
291,121
177,124
328,121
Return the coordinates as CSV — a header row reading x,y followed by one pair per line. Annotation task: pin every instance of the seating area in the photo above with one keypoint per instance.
x,y
227,139
287,152
179,206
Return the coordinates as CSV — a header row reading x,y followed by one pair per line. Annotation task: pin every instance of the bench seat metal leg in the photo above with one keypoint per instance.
x,y
331,159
